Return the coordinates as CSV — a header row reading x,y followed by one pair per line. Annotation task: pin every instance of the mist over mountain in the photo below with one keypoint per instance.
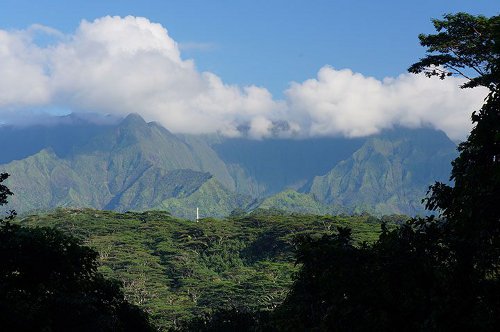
x,y
60,133
285,163
134,165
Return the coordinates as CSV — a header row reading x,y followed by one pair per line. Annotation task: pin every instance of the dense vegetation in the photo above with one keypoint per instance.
x,y
50,282
178,270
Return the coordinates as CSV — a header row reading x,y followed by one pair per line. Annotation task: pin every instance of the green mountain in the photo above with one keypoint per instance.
x,y
129,164
132,166
390,173
60,134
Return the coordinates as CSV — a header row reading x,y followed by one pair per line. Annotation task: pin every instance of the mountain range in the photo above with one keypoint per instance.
x,y
129,164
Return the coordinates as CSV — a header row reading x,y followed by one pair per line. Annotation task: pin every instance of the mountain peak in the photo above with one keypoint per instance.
x,y
134,118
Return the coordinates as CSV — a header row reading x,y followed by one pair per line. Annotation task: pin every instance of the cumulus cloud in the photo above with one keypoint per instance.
x,y
117,66
350,104
121,65
22,79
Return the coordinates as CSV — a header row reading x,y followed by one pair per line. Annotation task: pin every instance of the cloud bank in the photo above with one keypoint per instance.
x,y
117,66
347,103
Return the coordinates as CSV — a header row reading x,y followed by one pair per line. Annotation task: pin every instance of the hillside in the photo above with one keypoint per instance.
x,y
293,201
390,173
178,269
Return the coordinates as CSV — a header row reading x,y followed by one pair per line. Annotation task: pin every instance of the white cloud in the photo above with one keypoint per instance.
x,y
350,104
22,79
119,65
122,65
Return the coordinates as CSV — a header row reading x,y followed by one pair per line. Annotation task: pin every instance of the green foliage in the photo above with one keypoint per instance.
x,y
465,45
49,282
470,207
404,281
179,270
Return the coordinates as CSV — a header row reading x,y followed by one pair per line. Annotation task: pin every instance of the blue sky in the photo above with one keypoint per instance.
x,y
272,42
325,68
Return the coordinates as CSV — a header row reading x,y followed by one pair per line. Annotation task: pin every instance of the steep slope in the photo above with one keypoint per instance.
x,y
156,185
134,146
43,180
131,166
390,173
180,192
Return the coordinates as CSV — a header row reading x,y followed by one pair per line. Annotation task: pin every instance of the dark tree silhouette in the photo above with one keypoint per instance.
x,y
4,191
4,195
49,282
467,43
466,46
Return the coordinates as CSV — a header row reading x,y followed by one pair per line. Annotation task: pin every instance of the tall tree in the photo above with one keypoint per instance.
x,y
469,46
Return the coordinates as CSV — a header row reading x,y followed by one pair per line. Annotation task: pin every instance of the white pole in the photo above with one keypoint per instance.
x,y
197,215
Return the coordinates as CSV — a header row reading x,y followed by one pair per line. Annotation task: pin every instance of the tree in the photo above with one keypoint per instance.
x,y
470,44
466,46
49,282
4,194
4,191
392,285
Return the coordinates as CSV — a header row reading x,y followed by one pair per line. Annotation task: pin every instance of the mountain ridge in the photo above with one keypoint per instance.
x,y
136,165
390,173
